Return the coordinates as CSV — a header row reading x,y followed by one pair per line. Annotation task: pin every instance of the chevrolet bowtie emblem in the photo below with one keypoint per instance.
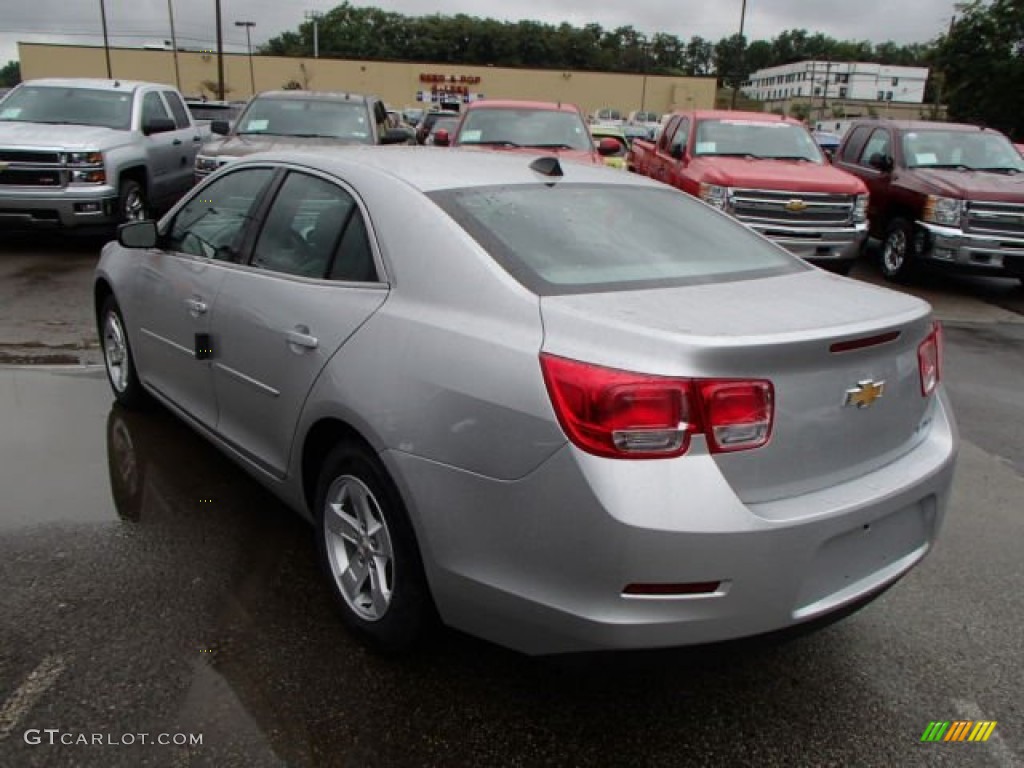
x,y
795,206
865,393
3,167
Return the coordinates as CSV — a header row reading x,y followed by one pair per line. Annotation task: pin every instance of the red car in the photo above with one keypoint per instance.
x,y
532,127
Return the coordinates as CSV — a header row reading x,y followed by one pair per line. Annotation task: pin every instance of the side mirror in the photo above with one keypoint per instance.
x,y
395,136
608,147
158,125
442,138
220,127
880,162
677,151
138,234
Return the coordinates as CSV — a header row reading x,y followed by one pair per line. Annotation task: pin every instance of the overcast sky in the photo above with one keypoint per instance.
x,y
134,22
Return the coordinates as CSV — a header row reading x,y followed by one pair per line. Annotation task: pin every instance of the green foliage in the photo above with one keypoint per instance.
x,y
10,74
800,110
982,66
352,32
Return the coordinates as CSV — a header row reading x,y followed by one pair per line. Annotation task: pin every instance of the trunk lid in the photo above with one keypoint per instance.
x,y
781,329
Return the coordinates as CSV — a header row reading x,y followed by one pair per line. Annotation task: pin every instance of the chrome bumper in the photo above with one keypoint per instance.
x,y
65,208
954,247
823,246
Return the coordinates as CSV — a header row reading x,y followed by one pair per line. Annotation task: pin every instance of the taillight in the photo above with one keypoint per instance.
x,y
621,414
929,359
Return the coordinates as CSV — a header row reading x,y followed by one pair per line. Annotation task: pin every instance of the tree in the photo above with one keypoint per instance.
x,y
10,74
982,64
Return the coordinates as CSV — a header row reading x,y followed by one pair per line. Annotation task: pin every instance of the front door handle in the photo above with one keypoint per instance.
x,y
176,142
197,139
196,307
300,337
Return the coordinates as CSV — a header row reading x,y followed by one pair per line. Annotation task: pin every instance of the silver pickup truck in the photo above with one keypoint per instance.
x,y
77,153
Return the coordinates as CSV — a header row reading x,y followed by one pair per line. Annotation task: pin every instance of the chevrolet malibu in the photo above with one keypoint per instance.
x,y
556,406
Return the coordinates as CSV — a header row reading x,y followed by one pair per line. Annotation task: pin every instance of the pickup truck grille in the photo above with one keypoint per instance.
x,y
792,209
999,219
31,168
29,156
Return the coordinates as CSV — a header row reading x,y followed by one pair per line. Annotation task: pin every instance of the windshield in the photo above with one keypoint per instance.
x,y
315,118
526,128
646,117
586,238
68,106
981,151
749,138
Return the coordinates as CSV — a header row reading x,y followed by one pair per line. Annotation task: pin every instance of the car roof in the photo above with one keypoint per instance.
x,y
725,114
314,95
95,83
551,106
430,169
923,125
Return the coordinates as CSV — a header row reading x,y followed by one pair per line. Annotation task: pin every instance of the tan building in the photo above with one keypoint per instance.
x,y
400,84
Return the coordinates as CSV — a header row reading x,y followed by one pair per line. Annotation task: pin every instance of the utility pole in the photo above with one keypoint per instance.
x,y
824,91
248,41
736,85
220,54
106,40
315,17
174,45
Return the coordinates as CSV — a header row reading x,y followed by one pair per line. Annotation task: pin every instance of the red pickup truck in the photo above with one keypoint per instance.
x,y
768,172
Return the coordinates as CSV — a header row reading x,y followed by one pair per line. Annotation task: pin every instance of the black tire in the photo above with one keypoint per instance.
x,y
131,202
118,359
408,609
898,256
841,267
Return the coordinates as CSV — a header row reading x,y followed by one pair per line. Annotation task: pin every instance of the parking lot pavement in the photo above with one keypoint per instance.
x,y
153,588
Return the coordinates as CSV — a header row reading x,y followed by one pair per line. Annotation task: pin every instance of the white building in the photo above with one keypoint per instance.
x,y
857,81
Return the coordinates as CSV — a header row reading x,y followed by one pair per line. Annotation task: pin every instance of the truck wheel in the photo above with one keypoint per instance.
x,y
131,204
897,255
368,550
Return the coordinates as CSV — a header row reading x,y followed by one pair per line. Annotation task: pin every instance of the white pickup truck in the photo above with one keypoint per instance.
x,y
77,153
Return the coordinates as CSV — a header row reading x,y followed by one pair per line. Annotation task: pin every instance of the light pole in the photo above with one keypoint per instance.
x,y
735,85
106,41
248,42
220,54
315,17
174,45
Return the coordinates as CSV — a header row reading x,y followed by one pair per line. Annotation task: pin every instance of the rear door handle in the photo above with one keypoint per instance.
x,y
196,307
196,139
176,142
300,337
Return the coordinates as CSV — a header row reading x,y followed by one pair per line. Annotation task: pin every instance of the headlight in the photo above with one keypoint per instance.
x,y
860,209
88,177
944,211
712,194
206,164
85,158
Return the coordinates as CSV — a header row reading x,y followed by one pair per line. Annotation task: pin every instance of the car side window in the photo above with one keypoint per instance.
x,y
665,134
879,145
153,108
212,224
177,108
854,145
303,227
681,136
354,260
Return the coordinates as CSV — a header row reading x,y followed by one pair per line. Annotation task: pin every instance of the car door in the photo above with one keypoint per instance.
x,y
178,285
312,280
187,141
163,150
875,169
659,157
678,151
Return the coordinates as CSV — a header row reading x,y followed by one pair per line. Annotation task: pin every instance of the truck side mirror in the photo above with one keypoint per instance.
x,y
220,127
158,125
677,151
881,162
608,147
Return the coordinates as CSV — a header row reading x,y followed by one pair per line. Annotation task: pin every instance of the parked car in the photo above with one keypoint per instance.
x,y
608,116
424,126
79,153
644,119
621,420
829,142
769,173
613,136
205,112
943,194
530,127
412,116
396,121
284,119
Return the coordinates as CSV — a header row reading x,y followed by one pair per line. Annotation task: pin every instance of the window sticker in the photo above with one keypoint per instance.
x,y
926,158
10,113
704,147
470,136
257,125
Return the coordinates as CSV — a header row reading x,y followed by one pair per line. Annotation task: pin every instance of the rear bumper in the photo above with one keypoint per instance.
x,y
67,208
539,564
975,253
826,246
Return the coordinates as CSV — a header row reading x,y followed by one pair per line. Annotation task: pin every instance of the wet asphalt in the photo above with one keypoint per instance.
x,y
150,587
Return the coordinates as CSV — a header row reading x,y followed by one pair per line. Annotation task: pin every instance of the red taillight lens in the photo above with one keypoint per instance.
x,y
620,414
929,360
738,414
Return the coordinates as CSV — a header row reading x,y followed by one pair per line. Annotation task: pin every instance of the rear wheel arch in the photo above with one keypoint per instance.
x,y
320,440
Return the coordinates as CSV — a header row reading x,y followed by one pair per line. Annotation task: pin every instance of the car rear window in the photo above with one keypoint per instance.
x,y
588,238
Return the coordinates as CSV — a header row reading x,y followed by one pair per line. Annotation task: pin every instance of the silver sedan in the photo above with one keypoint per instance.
x,y
559,407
